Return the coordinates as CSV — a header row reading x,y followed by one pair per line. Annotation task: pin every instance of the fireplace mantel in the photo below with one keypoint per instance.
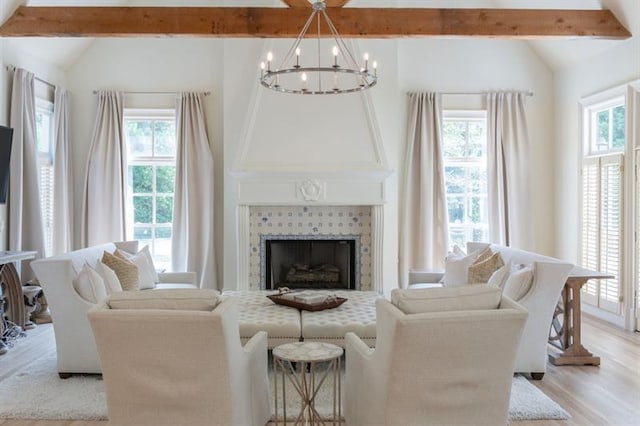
x,y
314,188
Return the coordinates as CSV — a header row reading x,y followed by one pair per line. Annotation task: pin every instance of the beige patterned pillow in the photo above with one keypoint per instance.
x,y
483,255
126,271
481,270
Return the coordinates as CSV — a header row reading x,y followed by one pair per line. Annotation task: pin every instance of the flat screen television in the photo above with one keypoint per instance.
x,y
6,136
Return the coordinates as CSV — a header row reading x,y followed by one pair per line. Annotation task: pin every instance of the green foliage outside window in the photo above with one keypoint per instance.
x,y
165,179
610,129
618,127
142,179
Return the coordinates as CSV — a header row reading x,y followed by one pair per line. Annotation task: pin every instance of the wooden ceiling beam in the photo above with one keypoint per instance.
x,y
286,22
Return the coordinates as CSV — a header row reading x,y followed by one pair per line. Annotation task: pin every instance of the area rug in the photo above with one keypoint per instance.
x,y
36,392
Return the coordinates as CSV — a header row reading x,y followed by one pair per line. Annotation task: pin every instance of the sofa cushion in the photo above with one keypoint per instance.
x,y
519,283
126,271
183,300
461,298
146,279
89,285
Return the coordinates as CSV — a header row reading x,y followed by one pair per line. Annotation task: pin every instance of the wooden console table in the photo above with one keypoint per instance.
x,y
12,287
567,321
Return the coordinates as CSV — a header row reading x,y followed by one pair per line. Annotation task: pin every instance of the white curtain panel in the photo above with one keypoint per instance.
x,y
104,214
26,231
424,222
62,176
508,171
192,239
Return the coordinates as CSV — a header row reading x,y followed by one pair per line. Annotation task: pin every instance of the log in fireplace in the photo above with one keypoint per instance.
x,y
311,263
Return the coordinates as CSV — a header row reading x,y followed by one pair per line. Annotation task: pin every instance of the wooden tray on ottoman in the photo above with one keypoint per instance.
x,y
334,303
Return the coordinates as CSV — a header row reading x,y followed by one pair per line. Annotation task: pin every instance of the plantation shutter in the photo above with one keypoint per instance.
x,y
46,202
590,224
602,229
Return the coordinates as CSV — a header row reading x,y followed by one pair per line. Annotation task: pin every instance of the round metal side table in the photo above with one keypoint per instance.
x,y
307,365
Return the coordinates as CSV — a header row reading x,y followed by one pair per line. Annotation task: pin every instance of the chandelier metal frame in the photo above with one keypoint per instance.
x,y
364,77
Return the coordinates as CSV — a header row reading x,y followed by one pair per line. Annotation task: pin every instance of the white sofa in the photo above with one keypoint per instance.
x,y
75,345
550,275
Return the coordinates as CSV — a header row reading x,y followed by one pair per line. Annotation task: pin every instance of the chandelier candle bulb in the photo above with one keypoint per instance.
x,y
297,65
375,68
269,59
366,61
335,56
304,81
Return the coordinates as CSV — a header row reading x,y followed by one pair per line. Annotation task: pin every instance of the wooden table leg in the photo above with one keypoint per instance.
x,y
571,339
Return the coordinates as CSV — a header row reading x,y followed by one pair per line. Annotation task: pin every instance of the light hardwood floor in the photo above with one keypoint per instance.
x,y
605,395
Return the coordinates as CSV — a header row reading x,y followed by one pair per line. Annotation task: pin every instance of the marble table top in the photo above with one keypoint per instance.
x,y
307,351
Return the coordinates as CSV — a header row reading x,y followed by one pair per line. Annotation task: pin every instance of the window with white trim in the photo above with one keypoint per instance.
x,y
150,136
44,144
603,201
464,146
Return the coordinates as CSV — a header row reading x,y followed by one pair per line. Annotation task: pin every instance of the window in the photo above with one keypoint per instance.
x,y
606,127
151,142
602,202
44,143
464,138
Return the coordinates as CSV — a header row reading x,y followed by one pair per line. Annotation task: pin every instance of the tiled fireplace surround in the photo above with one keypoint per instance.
x,y
313,208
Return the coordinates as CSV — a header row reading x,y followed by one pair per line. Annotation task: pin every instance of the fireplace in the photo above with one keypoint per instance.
x,y
311,261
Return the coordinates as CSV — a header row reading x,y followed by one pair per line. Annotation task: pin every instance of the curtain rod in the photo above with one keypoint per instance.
x,y
13,68
95,92
484,93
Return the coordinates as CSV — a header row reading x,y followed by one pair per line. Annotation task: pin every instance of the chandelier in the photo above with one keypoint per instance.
x,y
328,78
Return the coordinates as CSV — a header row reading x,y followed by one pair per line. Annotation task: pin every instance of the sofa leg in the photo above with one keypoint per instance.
x,y
64,375
537,376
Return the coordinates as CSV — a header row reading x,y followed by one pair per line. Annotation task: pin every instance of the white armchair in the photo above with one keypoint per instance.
x,y
435,368
171,366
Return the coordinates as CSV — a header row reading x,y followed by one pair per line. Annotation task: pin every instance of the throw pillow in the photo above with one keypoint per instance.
x,y
499,277
89,285
481,270
462,298
185,300
145,269
126,271
111,282
519,283
456,269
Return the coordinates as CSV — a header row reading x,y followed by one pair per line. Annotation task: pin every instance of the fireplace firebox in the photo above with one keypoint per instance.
x,y
310,263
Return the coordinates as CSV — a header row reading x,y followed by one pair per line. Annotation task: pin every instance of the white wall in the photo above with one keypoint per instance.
x,y
614,67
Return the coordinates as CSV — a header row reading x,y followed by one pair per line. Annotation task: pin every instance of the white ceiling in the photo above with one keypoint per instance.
x,y
555,53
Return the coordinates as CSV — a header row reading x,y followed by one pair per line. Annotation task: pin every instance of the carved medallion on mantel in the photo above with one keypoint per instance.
x,y
312,190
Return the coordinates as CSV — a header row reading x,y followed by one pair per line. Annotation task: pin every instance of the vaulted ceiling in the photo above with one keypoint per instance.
x,y
561,32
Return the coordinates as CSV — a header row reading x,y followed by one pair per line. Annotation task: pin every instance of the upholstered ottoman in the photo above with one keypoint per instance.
x,y
357,315
257,313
